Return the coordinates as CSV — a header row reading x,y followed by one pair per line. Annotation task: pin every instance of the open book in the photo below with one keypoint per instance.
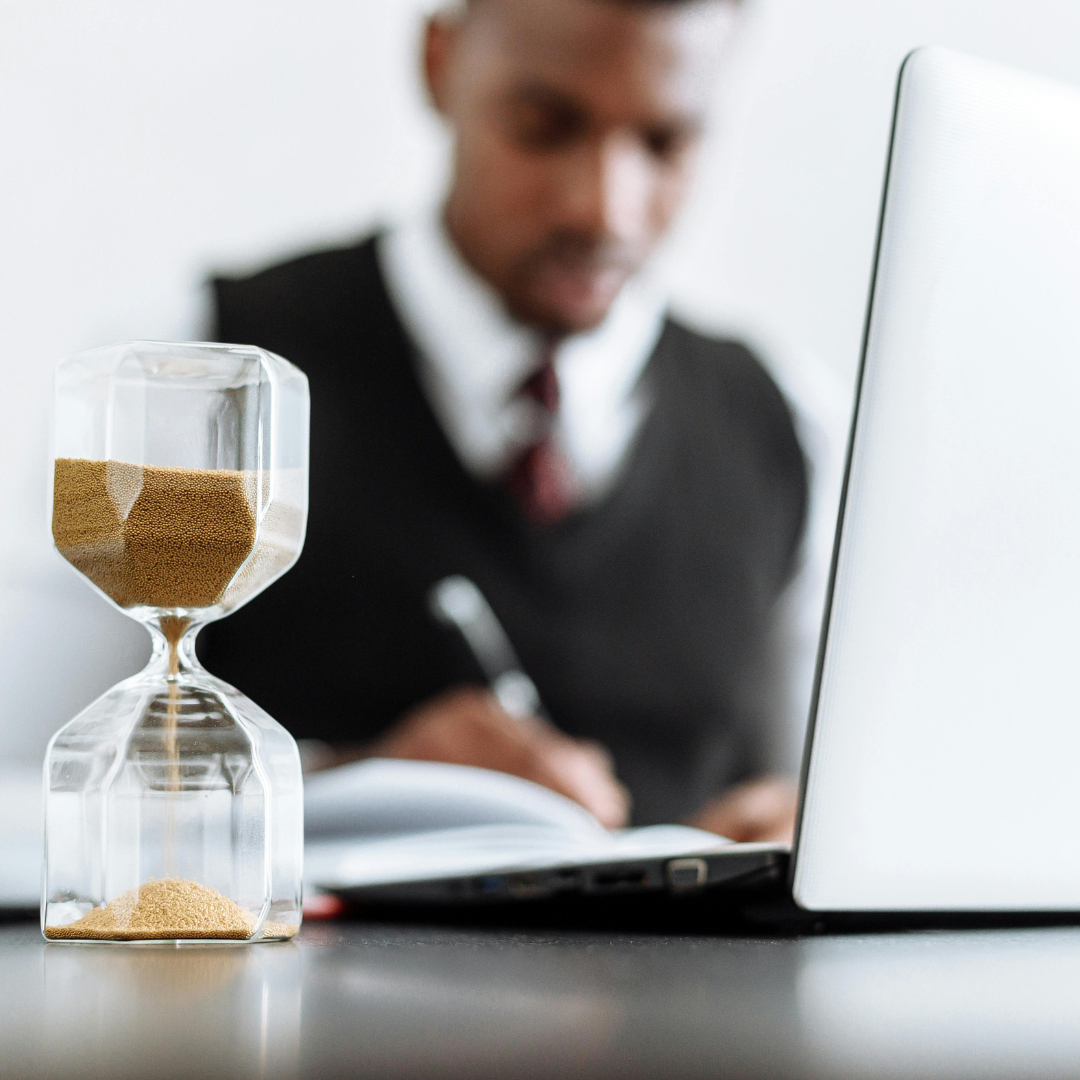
x,y
386,823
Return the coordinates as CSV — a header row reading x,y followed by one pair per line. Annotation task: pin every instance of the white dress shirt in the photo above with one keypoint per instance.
x,y
474,357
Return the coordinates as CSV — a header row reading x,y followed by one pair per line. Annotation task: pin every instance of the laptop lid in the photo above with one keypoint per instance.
x,y
943,771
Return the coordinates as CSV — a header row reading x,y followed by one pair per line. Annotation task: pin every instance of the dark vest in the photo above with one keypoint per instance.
x,y
642,619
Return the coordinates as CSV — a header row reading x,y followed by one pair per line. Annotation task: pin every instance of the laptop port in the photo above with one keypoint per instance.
x,y
683,875
526,886
629,877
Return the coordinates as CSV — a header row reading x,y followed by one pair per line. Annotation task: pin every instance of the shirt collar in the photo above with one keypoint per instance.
x,y
474,357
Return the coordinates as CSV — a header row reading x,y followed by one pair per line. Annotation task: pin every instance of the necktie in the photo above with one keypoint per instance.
x,y
541,479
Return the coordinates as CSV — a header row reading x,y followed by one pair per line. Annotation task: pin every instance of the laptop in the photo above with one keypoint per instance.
x,y
942,764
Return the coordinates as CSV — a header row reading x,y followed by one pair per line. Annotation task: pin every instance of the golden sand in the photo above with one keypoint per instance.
x,y
152,536
169,908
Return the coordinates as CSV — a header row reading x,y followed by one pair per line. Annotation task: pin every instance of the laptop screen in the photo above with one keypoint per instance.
x,y
945,745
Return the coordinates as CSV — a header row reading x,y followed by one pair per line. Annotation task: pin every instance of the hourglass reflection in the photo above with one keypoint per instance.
x,y
174,804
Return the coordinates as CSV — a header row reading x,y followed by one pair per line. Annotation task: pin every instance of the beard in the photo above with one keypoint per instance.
x,y
568,283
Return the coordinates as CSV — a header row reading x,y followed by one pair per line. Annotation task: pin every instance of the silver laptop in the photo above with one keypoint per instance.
x,y
943,758
943,771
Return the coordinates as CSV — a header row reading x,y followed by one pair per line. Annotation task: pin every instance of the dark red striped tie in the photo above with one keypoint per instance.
x,y
541,479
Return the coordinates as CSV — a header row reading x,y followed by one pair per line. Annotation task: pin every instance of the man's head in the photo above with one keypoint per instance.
x,y
575,124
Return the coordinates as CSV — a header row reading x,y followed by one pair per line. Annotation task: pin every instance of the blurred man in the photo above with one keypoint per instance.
x,y
498,392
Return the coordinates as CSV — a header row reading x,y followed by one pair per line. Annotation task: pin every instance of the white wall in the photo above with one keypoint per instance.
x,y
142,144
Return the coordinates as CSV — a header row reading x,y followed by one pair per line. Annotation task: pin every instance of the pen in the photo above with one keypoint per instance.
x,y
456,601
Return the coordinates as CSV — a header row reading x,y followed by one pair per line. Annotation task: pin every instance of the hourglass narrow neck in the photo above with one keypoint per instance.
x,y
174,645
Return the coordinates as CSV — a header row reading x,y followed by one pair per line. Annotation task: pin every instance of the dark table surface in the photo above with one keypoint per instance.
x,y
386,1000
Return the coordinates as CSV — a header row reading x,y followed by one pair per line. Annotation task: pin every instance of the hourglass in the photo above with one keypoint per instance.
x,y
174,804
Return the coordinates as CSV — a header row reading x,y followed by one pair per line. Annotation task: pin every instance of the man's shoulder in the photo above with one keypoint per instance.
x,y
311,271
727,398
724,370
306,297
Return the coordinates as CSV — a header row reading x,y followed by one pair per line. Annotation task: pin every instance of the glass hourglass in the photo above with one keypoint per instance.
x,y
174,804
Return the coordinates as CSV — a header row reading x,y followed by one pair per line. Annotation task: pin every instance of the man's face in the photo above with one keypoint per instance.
x,y
575,125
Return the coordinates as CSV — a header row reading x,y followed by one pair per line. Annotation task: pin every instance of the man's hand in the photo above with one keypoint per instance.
x,y
467,726
757,810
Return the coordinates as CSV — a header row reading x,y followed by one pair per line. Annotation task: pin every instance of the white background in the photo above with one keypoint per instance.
x,y
144,144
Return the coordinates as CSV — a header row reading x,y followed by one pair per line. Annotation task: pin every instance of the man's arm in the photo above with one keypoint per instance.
x,y
755,811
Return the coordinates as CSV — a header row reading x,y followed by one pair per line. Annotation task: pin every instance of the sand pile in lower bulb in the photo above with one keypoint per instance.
x,y
169,908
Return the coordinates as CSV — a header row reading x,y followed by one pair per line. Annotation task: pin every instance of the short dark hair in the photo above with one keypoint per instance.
x,y
463,6
644,3
664,3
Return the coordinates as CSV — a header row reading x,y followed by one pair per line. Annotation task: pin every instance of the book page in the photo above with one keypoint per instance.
x,y
384,797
